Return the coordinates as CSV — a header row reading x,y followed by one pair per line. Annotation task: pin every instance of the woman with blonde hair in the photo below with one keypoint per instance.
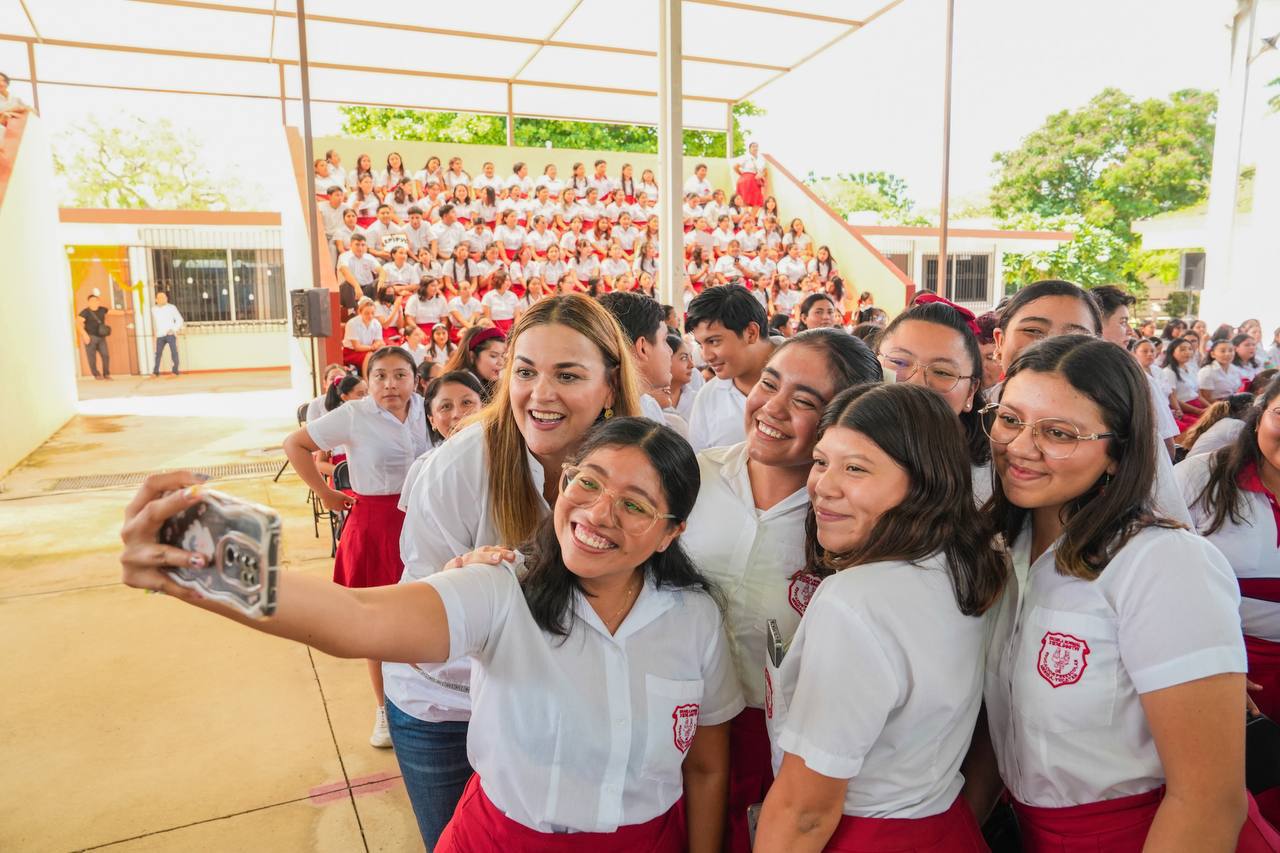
x,y
568,366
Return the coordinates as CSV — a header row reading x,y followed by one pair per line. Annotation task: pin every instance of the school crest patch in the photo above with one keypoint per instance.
x,y
686,723
801,590
1063,659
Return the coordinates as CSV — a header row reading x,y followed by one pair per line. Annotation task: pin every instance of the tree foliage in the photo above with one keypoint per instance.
x,y
140,163
1095,170
1274,100
419,126
879,192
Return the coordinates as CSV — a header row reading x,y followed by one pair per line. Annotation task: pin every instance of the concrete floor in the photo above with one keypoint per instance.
x,y
133,722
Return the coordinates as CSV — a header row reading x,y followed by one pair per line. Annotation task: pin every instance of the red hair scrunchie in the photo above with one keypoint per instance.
x,y
970,319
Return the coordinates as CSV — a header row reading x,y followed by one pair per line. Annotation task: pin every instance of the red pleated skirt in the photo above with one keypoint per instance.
x,y
952,831
750,775
1118,826
369,550
354,358
478,826
749,189
1264,669
504,326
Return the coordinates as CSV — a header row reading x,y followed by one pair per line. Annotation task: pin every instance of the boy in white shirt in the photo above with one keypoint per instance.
x,y
698,185
600,182
447,233
731,267
723,235
749,238
377,233
419,233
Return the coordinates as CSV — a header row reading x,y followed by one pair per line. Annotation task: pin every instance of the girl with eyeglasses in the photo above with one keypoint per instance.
x,y
1114,680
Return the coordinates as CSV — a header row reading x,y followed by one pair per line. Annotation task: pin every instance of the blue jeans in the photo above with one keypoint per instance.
x,y
433,762
172,342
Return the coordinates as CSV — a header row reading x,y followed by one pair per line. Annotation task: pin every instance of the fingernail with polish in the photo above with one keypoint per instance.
x,y
196,561
191,492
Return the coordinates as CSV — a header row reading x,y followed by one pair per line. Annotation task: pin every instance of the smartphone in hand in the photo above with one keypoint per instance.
x,y
240,541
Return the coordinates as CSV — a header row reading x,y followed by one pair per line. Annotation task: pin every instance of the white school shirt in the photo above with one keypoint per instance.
x,y
425,311
569,242
168,319
552,272
792,268
699,186
481,182
523,272
762,267
467,309
721,238
882,685
727,266
447,237
484,212
1219,435
407,274
380,448
718,415
585,733
337,176
554,186
1070,658
755,557
1187,387
363,268
419,238
510,238
1251,547
651,190
1248,371
591,212
613,268
478,241
787,300
399,208
448,516
410,480
627,237
1166,426
488,267
1220,383
540,240
452,179
587,269
754,165
502,306
603,185
357,331
801,240
748,240
691,211
651,409
613,212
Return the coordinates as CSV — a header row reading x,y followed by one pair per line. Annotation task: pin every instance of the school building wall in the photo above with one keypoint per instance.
x,y
38,347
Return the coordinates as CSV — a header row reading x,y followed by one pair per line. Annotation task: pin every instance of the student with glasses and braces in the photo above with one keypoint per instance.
x,y
1114,680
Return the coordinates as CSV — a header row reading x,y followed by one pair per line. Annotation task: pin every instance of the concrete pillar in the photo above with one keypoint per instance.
x,y
511,118
670,154
728,131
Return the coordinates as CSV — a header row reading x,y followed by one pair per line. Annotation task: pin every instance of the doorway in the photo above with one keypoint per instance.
x,y
105,270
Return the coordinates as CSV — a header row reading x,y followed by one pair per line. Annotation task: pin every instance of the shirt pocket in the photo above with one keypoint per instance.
x,y
671,722
1065,674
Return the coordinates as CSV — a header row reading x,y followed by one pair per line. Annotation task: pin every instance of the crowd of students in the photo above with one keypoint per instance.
x,y
897,589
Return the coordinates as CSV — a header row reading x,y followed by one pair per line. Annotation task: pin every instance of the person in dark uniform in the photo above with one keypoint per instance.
x,y
93,334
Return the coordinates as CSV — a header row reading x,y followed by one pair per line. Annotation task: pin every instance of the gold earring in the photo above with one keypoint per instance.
x,y
608,412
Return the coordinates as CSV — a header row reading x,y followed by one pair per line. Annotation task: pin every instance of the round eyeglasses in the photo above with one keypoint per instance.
x,y
635,516
1054,437
938,377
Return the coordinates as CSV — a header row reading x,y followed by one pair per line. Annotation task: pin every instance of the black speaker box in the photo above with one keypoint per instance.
x,y
311,317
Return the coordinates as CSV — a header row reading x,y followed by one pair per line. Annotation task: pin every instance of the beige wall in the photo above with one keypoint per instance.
x,y
862,266
35,296
415,154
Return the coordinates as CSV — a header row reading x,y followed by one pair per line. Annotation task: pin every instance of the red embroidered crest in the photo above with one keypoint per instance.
x,y
768,694
686,723
1063,658
801,590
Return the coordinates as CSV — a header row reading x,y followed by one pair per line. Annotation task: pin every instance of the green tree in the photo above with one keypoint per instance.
x,y
1099,168
879,192
140,163
420,126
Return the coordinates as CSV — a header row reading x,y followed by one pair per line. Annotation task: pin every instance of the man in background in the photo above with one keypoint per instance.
x,y
93,334
168,322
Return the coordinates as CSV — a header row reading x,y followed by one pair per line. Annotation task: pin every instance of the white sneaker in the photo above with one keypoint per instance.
x,y
381,737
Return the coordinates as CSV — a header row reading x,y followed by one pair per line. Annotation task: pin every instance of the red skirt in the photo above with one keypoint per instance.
x,y
354,358
1264,669
1118,826
478,826
750,775
366,221
749,189
510,253
953,831
369,550
504,326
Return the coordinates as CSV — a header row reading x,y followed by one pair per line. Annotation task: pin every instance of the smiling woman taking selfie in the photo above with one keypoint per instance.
x,y
1114,685
872,708
607,684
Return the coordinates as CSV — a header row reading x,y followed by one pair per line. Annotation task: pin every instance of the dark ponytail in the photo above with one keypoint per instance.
x,y
345,385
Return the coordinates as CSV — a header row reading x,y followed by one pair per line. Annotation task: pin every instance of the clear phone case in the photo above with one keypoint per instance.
x,y
240,541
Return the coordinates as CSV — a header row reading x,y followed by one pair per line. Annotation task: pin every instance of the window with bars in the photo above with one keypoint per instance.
x,y
970,278
222,285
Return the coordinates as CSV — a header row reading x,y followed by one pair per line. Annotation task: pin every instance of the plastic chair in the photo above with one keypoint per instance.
x,y
338,518
302,421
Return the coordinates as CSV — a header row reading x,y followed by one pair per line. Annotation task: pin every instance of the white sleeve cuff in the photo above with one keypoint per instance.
x,y
1198,664
818,760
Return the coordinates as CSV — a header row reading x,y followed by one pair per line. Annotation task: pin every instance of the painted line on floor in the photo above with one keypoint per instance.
x,y
358,787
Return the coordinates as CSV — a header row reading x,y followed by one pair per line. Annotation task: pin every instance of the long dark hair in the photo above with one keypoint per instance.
x,y
456,377
1221,495
941,314
548,584
937,514
811,300
464,357
1049,287
1236,360
849,359
1101,520
1167,360
333,397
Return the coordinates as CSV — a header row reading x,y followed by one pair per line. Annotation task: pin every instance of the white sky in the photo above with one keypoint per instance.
x,y
873,102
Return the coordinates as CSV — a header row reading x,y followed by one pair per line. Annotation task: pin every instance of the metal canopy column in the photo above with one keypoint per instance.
x,y
670,154
944,265
308,146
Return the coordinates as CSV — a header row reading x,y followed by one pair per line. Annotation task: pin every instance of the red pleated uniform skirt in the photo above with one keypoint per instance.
x,y
749,189
1118,826
750,775
504,326
952,831
369,550
354,358
478,826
